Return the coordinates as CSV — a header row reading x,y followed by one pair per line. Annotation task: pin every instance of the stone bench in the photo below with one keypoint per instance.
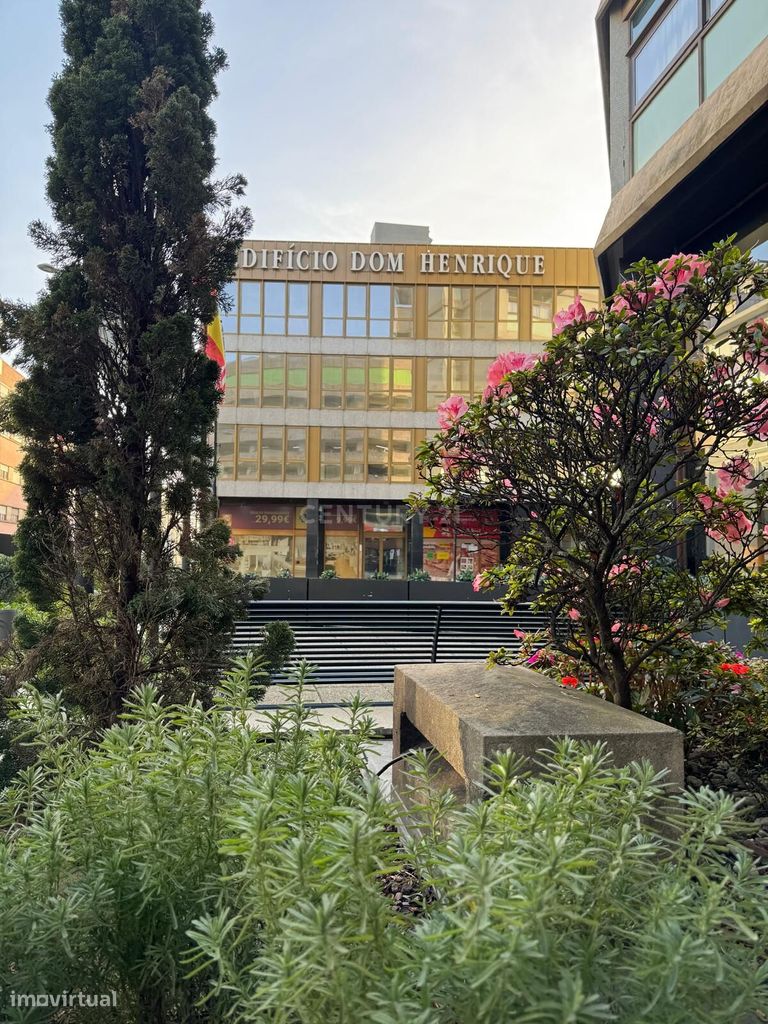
x,y
467,712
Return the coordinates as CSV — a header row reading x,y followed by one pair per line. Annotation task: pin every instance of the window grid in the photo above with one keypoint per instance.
x,y
360,454
473,311
366,382
455,376
368,311
268,380
279,308
261,452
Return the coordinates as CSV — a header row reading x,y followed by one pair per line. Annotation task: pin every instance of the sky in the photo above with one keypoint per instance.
x,y
480,118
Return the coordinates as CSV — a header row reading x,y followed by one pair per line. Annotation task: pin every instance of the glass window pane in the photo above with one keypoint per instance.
x,y
333,328
403,329
404,301
378,374
228,319
271,453
250,369
356,300
379,328
437,302
479,376
298,325
330,444
230,379
274,370
298,299
402,374
355,371
248,451
733,38
666,112
274,325
274,298
437,375
485,303
381,300
590,298
642,17
541,299
225,451
509,305
356,328
461,301
563,298
460,370
250,297
664,44
332,300
297,371
713,6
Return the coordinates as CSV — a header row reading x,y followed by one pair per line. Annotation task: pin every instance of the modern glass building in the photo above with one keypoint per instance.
x,y
685,87
337,358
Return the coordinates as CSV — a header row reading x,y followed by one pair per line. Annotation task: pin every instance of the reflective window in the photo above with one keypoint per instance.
x,y
225,451
732,38
456,376
366,382
461,311
675,29
295,453
437,311
590,298
541,314
713,6
642,17
508,326
367,311
354,454
485,313
248,449
672,105
272,380
228,298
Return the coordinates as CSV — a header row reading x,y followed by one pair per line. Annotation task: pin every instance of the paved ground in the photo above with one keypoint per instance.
x,y
335,716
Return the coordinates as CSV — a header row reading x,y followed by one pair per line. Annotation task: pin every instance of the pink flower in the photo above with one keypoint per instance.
x,y
520,634
759,426
706,597
621,568
757,353
451,410
734,475
479,582
616,628
677,271
509,362
621,305
533,658
574,614
630,300
574,314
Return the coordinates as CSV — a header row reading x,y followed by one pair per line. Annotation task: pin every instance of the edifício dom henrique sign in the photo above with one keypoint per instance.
x,y
293,260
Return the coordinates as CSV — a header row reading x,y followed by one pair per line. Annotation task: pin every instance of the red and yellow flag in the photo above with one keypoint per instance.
x,y
214,347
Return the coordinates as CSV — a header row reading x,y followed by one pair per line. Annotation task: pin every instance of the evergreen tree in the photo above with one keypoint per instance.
x,y
119,402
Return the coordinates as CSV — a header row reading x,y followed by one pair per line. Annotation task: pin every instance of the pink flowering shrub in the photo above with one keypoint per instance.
x,y
622,459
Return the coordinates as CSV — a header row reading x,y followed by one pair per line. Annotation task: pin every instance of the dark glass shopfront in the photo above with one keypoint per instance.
x,y
358,541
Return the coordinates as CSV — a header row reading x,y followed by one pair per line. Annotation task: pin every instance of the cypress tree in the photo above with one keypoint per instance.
x,y
119,402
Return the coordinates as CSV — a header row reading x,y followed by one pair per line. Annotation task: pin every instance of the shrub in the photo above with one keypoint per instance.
x,y
633,431
328,574
379,575
206,872
419,576
465,576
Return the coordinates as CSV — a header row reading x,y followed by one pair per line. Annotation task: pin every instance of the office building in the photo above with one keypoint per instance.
x,y
12,503
337,358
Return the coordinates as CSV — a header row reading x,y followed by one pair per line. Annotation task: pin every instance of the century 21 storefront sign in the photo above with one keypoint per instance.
x,y
320,260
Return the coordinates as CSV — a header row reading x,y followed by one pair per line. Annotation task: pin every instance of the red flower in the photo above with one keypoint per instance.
x,y
736,667
569,681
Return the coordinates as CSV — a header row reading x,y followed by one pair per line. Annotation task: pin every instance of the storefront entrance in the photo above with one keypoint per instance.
x,y
385,554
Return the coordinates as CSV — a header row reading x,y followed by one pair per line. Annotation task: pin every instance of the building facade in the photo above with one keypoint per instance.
x,y
685,87
337,358
12,503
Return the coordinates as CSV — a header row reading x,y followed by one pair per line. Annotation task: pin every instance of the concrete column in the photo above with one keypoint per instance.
x,y
414,539
314,539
